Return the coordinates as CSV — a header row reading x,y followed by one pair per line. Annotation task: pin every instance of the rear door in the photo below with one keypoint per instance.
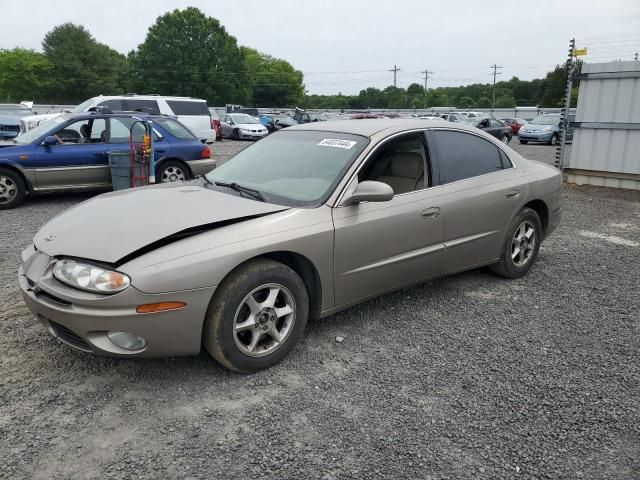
x,y
79,162
194,114
482,191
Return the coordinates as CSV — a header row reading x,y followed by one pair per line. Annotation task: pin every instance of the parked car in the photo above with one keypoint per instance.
x,y
494,127
70,152
241,126
475,115
10,116
307,222
452,117
514,123
545,128
215,122
302,116
192,112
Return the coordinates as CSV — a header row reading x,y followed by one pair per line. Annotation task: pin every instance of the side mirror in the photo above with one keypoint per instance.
x,y
369,191
49,140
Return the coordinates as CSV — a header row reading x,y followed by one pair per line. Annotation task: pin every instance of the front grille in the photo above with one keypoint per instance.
x,y
69,337
10,128
52,298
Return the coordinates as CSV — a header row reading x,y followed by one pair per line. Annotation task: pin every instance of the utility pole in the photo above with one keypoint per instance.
x,y
426,77
395,71
495,72
564,113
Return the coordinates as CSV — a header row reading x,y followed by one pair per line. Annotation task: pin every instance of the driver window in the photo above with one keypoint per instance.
x,y
400,163
82,132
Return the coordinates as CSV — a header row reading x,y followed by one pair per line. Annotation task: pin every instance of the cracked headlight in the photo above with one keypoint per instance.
x,y
90,278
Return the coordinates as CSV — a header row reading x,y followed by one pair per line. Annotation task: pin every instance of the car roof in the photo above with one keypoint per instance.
x,y
369,127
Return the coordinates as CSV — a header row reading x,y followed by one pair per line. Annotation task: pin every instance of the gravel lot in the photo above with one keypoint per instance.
x,y
470,376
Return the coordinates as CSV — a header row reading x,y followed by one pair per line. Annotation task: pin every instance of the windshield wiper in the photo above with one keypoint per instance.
x,y
240,189
205,179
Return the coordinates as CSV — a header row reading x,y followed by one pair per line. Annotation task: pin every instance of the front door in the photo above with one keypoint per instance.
x,y
79,160
381,246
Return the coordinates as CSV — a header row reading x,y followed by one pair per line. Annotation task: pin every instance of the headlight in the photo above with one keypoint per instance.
x,y
90,277
546,129
33,124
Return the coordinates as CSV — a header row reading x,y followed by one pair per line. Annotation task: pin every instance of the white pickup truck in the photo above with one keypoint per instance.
x,y
192,112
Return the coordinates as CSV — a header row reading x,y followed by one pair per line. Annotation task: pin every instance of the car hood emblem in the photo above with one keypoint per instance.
x,y
50,237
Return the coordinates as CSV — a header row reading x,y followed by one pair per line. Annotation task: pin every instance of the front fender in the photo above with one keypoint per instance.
x,y
27,174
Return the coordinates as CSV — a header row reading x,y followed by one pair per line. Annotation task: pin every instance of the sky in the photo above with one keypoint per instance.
x,y
345,46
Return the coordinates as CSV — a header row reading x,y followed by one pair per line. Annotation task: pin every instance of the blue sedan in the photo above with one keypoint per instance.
x,y
71,152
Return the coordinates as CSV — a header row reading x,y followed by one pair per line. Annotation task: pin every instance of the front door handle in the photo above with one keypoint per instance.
x,y
513,193
432,212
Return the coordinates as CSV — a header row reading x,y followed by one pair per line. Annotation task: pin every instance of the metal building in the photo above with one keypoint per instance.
x,y
606,140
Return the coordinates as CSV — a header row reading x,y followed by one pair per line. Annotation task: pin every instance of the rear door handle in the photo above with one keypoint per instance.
x,y
432,212
513,194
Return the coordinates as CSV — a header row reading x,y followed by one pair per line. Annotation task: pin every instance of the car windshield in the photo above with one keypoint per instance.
x,y
244,118
83,107
546,120
293,168
15,113
44,127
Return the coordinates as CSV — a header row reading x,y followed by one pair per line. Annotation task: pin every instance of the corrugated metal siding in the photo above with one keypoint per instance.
x,y
608,100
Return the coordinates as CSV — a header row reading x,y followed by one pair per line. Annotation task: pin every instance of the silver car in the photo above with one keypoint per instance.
x,y
240,126
312,220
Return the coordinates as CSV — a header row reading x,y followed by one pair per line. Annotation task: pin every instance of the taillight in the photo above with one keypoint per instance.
x,y
205,153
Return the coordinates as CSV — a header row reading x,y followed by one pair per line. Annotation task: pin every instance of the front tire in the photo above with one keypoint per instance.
x,y
12,189
524,142
235,135
256,316
554,139
521,247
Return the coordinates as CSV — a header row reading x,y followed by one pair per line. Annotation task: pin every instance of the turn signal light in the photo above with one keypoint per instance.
x,y
159,307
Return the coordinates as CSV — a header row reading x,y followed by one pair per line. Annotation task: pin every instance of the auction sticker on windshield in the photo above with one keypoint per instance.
x,y
338,143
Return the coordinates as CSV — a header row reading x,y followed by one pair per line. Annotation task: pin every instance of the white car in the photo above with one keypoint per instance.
x,y
191,112
242,125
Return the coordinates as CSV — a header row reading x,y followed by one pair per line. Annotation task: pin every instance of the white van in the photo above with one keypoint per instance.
x,y
192,112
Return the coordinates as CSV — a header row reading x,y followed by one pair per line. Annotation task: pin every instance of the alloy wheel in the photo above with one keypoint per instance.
x,y
8,189
172,174
523,244
264,320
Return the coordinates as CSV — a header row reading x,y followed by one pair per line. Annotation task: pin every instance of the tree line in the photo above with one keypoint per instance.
x,y
187,53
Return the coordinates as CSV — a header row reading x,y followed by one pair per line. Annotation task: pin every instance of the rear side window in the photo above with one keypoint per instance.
x,y
120,130
462,155
182,107
114,105
146,106
175,128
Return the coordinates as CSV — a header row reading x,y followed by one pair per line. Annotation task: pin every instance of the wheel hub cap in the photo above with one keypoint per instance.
x,y
523,243
264,320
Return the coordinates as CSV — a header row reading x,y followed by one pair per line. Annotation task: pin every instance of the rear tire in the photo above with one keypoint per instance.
x,y
259,302
505,139
521,245
172,171
12,189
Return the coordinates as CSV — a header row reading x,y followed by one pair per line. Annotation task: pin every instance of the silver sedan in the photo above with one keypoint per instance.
x,y
312,220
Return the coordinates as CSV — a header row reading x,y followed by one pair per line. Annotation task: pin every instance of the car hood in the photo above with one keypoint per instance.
x,y
116,225
536,126
41,118
10,120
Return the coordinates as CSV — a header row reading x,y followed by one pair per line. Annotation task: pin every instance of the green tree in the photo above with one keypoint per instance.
x,y
483,102
505,102
274,82
81,67
187,53
465,102
24,75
